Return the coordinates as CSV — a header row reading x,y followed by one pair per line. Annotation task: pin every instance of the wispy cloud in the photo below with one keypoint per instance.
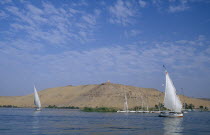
x,y
56,26
90,19
157,4
122,12
131,59
173,6
132,33
118,63
2,15
5,1
72,42
178,8
201,37
142,3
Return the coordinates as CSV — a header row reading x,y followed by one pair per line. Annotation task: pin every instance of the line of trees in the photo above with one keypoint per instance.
x,y
161,107
202,108
63,107
99,109
188,106
8,106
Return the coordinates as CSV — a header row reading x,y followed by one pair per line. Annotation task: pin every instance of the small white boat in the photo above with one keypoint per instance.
x,y
146,111
184,111
125,110
37,100
171,100
171,114
139,111
132,111
155,111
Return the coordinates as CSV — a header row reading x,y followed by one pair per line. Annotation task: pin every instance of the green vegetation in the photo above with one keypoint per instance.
x,y
99,109
160,107
139,108
206,108
190,106
202,108
156,108
63,107
8,106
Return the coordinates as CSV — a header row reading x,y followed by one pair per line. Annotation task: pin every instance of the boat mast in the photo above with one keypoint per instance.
x,y
142,106
159,102
165,86
147,103
183,98
126,103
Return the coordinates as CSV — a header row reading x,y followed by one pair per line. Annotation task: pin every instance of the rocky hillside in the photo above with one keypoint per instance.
x,y
105,94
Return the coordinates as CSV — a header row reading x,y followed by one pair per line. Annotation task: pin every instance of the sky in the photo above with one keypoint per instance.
x,y
53,43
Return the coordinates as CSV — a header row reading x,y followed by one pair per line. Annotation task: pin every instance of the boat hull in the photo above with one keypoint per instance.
x,y
122,111
38,109
127,111
171,114
155,111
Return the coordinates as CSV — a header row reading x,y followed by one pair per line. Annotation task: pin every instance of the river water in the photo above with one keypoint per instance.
x,y
21,121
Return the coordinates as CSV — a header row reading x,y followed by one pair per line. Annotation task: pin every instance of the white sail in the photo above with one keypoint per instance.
x,y
36,98
171,100
126,103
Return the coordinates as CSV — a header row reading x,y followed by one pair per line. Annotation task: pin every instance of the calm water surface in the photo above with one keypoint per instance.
x,y
60,121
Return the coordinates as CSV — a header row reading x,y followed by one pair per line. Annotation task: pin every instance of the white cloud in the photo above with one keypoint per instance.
x,y
142,3
201,37
132,33
56,26
171,0
91,19
3,14
181,6
5,1
34,9
174,6
127,60
142,63
81,3
157,3
178,8
62,26
122,13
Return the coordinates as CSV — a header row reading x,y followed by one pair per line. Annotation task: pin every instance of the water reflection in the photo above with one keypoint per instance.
x,y
173,126
35,121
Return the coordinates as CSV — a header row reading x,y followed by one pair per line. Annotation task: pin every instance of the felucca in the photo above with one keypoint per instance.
x,y
171,100
125,105
37,100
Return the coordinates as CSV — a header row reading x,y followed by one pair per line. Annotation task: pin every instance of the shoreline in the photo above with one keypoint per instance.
x,y
104,109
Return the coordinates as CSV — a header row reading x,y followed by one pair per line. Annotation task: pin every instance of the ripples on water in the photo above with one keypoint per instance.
x,y
59,121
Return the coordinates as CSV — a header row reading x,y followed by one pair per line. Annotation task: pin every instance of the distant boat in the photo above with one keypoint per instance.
x,y
125,109
37,100
142,105
184,109
147,111
171,100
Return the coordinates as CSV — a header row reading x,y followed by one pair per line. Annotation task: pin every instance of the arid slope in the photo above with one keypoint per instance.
x,y
105,94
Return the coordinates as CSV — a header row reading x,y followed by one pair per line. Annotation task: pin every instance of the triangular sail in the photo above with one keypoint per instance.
x,y
36,98
126,103
171,100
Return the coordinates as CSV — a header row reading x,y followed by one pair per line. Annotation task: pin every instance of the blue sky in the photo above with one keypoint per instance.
x,y
75,42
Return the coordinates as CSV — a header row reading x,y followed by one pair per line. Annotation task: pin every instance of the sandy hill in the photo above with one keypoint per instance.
x,y
105,94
